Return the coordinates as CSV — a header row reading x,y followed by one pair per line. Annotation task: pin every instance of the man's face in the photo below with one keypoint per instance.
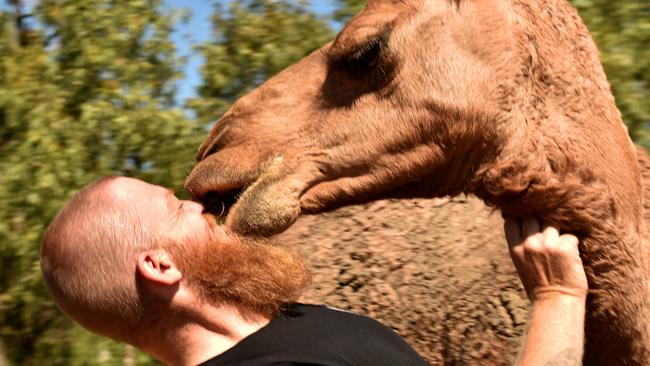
x,y
221,267
159,211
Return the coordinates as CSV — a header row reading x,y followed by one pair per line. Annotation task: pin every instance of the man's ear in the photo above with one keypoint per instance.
x,y
158,270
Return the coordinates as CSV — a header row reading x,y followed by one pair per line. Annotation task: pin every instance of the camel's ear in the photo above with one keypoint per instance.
x,y
158,272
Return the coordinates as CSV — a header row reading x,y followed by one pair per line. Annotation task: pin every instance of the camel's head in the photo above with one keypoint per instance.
x,y
408,92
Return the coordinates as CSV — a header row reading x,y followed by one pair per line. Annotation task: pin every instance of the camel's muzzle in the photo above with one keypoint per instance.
x,y
219,203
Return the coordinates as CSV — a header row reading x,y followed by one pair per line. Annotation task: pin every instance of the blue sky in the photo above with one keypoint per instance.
x,y
198,30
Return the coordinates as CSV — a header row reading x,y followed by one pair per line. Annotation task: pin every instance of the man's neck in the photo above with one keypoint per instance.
x,y
214,331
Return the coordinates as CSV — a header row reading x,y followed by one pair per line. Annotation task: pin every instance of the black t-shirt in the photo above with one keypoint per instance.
x,y
318,335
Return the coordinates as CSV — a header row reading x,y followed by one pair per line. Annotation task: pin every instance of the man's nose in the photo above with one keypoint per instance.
x,y
192,206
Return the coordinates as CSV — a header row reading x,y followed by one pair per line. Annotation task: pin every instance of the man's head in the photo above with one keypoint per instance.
x,y
124,253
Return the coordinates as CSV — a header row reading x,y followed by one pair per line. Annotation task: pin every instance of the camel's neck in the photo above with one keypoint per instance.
x,y
613,248
561,192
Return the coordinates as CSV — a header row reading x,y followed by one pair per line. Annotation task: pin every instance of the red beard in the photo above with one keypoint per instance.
x,y
255,277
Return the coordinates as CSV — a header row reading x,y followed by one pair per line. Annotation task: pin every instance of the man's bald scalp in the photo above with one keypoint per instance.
x,y
85,256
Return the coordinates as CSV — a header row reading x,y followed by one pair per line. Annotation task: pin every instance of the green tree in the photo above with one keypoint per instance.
x,y
346,9
86,89
622,31
253,40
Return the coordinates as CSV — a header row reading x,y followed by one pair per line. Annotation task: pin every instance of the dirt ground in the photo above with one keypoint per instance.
x,y
437,271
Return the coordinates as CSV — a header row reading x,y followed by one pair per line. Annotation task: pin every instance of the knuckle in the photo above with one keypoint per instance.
x,y
535,239
567,250
569,240
531,247
518,251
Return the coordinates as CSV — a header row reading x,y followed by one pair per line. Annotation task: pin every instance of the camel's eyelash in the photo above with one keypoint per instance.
x,y
367,52
370,60
364,52
362,59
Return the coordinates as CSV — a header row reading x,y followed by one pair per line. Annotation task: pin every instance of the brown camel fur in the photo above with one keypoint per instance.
x,y
503,99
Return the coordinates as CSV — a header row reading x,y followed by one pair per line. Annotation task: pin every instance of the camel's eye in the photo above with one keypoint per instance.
x,y
361,67
366,60
364,57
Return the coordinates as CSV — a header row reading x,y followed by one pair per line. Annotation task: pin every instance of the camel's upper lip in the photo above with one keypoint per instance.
x,y
217,200
217,188
200,187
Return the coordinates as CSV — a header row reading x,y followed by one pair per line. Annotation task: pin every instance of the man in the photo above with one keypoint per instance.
x,y
130,261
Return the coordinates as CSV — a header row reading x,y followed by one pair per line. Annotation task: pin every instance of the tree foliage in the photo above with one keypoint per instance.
x,y
252,41
622,31
346,9
87,89
87,93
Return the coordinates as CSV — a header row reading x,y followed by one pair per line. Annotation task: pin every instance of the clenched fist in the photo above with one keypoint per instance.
x,y
550,269
548,263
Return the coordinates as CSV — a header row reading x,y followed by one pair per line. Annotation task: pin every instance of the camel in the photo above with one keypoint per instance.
x,y
506,100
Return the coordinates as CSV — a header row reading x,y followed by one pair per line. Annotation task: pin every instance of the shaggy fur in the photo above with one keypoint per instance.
x,y
503,99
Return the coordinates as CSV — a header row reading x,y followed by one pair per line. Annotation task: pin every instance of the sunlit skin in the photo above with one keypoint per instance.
x,y
130,261
197,289
565,290
548,264
552,273
211,329
161,208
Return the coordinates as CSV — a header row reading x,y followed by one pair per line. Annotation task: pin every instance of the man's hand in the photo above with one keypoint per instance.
x,y
551,271
548,263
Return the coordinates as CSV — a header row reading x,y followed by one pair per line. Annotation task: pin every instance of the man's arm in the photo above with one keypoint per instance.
x,y
551,271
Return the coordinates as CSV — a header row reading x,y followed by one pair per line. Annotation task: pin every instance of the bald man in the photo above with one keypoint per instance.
x,y
128,260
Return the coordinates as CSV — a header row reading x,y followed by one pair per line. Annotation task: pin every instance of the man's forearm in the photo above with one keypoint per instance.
x,y
555,334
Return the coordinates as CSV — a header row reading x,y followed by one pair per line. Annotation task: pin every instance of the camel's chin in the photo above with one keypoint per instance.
x,y
260,227
263,213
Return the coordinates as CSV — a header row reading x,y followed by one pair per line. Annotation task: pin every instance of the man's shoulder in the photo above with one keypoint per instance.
x,y
321,335
326,317
318,309
328,329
